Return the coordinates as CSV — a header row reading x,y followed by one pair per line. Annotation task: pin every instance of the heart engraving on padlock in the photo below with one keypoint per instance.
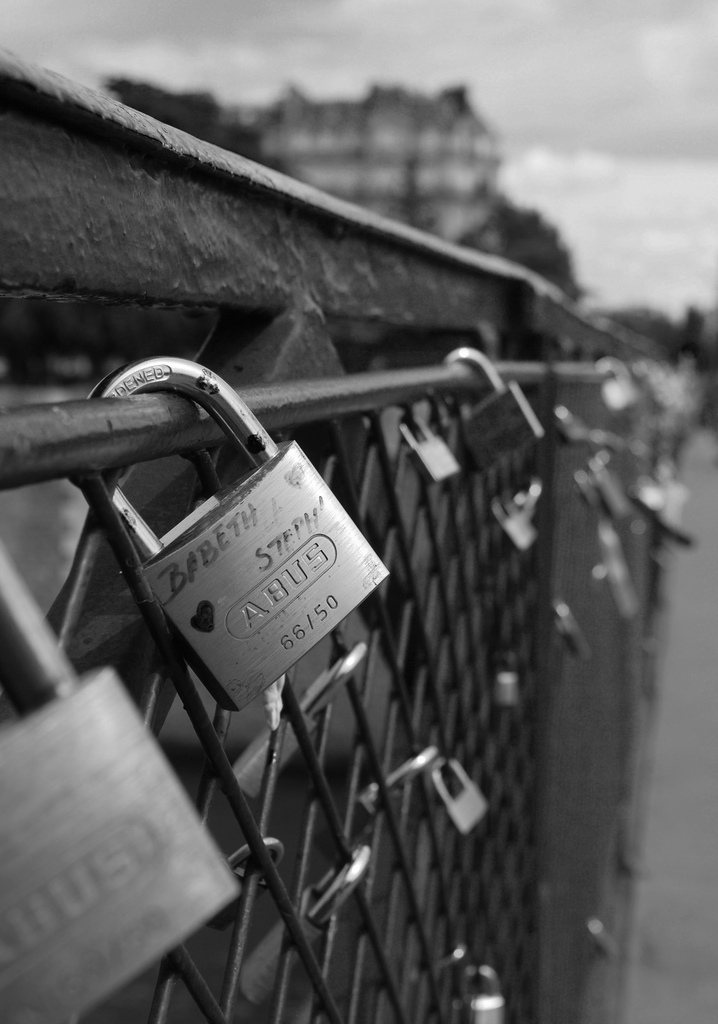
x,y
203,618
275,558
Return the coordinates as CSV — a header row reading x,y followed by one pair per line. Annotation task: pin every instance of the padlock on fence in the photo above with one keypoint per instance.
x,y
261,572
430,452
466,805
618,390
104,864
501,423
484,1002
516,515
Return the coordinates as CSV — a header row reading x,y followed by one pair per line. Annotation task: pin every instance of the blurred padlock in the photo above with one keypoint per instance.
x,y
506,681
261,572
516,515
618,390
104,863
575,431
485,1003
610,489
501,423
430,452
615,569
570,631
465,803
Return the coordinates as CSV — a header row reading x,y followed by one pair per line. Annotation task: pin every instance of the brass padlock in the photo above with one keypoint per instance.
x,y
465,803
430,452
104,864
484,1000
501,423
262,571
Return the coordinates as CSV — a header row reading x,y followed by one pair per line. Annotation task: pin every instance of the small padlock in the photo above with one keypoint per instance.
x,y
615,568
618,390
516,515
501,423
249,766
262,571
506,682
104,864
570,631
574,430
464,801
610,489
650,497
317,906
484,1001
430,452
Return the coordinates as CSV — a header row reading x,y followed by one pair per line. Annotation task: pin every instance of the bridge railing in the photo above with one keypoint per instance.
x,y
102,204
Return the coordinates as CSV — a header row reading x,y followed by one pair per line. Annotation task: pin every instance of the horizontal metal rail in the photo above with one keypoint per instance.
x,y
44,442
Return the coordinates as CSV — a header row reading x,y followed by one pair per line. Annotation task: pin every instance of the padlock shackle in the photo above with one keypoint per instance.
x,y
478,361
214,395
192,380
33,668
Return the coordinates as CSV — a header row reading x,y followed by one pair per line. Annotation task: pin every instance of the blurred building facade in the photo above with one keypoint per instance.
x,y
430,161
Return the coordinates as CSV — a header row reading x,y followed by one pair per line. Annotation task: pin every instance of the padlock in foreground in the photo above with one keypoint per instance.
x,y
104,864
501,423
262,571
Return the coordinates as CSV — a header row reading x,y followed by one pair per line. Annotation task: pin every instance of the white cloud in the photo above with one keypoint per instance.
x,y
641,231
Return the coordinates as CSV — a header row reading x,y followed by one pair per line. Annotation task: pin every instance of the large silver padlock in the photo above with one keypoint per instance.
x,y
484,1000
501,423
263,570
104,863
430,452
466,805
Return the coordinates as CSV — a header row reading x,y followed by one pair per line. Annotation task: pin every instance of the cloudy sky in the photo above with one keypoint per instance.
x,y
607,109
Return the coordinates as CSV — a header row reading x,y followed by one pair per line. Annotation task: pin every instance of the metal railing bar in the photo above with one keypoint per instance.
x,y
44,442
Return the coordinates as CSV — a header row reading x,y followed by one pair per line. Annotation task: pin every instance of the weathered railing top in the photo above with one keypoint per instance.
x,y
105,203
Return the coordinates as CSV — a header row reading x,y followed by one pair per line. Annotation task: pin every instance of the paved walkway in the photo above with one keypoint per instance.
x,y
674,975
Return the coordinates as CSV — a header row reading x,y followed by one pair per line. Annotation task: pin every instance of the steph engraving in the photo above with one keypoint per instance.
x,y
137,379
301,527
77,889
291,578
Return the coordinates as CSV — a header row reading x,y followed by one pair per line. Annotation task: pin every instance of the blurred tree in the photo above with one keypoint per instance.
x,y
525,237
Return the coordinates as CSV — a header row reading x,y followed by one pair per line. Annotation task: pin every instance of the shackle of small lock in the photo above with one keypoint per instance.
x,y
215,396
422,763
480,361
340,888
